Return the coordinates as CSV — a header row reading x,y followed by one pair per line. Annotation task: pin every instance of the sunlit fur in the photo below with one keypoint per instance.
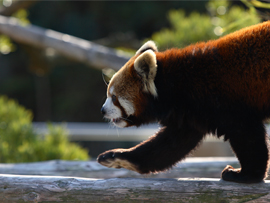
x,y
148,45
220,87
146,67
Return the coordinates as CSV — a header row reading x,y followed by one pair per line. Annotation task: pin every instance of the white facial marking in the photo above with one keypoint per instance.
x,y
127,105
111,90
112,111
121,124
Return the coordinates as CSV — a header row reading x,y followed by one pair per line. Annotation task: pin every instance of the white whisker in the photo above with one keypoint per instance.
x,y
117,132
126,119
104,80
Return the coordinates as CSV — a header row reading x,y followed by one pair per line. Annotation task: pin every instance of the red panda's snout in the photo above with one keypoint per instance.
x,y
113,113
118,109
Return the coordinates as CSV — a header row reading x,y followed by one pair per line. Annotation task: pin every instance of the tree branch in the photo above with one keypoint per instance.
x,y
75,48
70,189
25,188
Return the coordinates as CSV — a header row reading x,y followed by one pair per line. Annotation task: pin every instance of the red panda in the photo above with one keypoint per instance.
x,y
220,87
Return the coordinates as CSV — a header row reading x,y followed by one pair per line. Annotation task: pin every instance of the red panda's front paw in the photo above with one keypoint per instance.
x,y
116,159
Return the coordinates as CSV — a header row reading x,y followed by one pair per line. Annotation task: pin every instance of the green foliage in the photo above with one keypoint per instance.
x,y
195,27
6,46
20,143
22,16
255,3
184,30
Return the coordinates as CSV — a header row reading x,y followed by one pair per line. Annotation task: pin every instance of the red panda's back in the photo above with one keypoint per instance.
x,y
236,65
246,56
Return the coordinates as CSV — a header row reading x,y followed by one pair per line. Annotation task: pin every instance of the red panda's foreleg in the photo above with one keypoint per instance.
x,y
160,152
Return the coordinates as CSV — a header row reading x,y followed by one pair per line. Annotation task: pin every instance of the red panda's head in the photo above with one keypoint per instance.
x,y
130,87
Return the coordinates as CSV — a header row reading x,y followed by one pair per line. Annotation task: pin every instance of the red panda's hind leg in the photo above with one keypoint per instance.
x,y
250,145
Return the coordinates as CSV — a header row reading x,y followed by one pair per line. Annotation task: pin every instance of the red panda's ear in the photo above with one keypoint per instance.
x,y
146,66
148,45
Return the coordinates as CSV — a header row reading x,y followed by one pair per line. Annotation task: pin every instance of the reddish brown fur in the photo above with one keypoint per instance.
x,y
235,80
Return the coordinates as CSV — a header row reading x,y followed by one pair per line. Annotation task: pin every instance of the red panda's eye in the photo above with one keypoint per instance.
x,y
113,98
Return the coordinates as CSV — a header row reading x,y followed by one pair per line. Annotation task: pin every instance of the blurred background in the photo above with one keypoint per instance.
x,y
40,86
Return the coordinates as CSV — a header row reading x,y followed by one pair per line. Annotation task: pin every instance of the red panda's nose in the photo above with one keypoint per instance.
x,y
103,110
